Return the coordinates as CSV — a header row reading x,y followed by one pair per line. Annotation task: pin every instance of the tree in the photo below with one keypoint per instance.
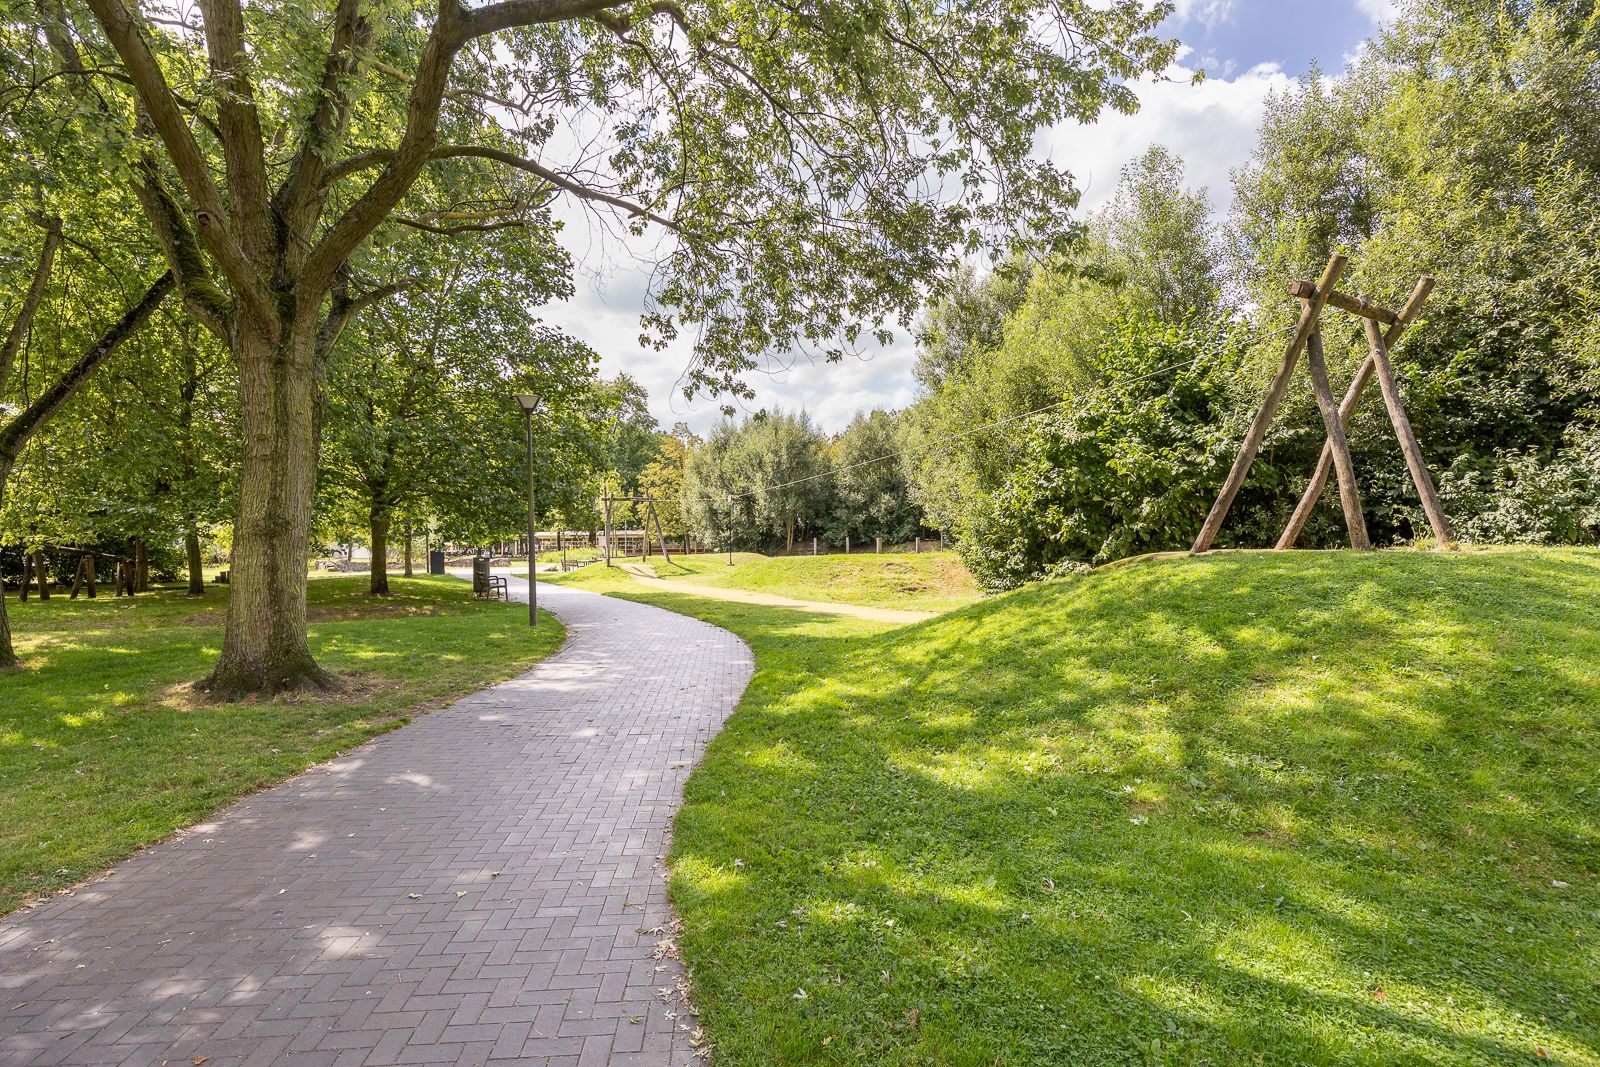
x,y
663,481
1141,255
871,491
267,144
759,482
1129,465
420,388
631,440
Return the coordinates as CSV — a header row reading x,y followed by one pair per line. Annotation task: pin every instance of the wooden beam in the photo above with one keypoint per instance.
x,y
1269,407
1408,438
1319,477
1349,495
1356,305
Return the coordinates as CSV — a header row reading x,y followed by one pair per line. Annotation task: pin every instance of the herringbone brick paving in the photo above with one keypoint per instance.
x,y
480,886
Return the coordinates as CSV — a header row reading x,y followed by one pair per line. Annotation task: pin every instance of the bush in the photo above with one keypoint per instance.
x,y
1129,465
1522,496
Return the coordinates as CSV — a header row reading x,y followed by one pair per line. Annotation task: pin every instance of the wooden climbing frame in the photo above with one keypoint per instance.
x,y
1384,329
649,503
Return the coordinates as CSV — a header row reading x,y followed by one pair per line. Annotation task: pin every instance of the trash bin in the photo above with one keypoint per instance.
x,y
480,574
436,562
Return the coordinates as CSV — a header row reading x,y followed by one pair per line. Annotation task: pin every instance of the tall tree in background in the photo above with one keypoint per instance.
x,y
757,483
871,492
267,143
74,281
1140,255
420,385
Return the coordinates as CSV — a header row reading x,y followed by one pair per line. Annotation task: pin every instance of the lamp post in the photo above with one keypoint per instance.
x,y
530,404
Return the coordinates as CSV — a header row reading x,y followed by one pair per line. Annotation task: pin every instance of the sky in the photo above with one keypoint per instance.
x,y
1247,48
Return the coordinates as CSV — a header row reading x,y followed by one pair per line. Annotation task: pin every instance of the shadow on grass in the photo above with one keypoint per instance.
x,y
1313,809
102,750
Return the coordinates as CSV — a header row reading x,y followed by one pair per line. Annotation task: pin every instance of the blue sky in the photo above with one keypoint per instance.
x,y
1248,48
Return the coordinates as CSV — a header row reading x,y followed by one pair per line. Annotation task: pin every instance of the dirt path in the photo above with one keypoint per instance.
x,y
645,576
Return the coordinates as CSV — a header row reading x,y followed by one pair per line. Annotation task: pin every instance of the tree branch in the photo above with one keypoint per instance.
x,y
378,156
30,303
492,18
345,308
239,129
421,133
160,108
301,197
15,433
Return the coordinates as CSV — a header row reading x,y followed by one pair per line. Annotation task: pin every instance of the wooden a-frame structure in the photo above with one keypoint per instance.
x,y
1307,335
649,503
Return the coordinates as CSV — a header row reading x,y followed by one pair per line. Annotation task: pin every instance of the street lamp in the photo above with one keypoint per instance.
x,y
530,404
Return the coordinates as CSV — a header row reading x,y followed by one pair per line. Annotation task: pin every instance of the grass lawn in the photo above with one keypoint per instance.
x,y
1305,808
927,581
101,752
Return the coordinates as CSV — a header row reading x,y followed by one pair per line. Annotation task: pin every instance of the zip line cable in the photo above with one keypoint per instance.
x,y
976,429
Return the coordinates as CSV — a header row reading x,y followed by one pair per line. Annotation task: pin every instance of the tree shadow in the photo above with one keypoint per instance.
x,y
1312,808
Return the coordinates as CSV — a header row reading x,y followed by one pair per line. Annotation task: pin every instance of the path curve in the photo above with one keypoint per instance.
x,y
644,576
480,886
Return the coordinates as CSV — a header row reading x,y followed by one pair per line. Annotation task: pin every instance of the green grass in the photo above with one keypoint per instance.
x,y
1252,809
927,581
102,751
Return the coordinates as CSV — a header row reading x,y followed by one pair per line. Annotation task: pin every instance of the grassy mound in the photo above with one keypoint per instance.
x,y
927,581
103,750
1298,808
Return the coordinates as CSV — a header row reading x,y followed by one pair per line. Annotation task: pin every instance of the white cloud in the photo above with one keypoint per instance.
x,y
1381,12
1212,126
1209,13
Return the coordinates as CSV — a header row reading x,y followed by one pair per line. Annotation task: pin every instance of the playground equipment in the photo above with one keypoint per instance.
x,y
1307,335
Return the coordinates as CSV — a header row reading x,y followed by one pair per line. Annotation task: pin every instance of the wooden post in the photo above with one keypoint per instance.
x,y
1349,494
661,532
847,544
39,570
918,543
1347,408
1408,438
877,544
1269,407
813,546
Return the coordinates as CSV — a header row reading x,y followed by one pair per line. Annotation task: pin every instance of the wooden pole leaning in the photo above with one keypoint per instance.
x,y
1319,477
1280,385
1349,494
1408,438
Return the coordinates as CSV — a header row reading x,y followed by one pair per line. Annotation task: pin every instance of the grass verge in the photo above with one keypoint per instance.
x,y
1302,808
103,749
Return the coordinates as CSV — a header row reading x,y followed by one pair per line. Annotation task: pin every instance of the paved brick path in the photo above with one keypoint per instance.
x,y
478,887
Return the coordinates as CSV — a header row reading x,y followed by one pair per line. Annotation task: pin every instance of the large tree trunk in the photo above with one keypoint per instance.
x,y
378,519
191,549
265,648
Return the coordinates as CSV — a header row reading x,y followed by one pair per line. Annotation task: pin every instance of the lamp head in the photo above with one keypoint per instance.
x,y
529,402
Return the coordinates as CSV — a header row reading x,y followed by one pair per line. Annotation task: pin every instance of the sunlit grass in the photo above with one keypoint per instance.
x,y
927,581
1267,809
103,749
